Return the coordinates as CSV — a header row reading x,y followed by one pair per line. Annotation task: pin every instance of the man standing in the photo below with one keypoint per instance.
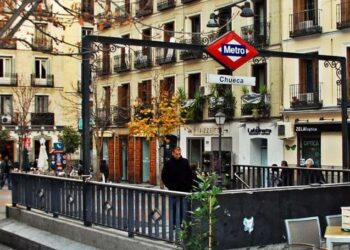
x,y
177,174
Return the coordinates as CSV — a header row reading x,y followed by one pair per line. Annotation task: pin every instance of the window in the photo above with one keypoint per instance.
x,y
145,92
260,17
225,22
259,72
106,65
107,98
308,76
194,81
40,30
41,68
86,31
5,67
41,104
196,28
87,10
5,104
168,85
124,95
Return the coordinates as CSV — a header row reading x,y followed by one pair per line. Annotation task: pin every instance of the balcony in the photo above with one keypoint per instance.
x,y
187,1
42,82
144,8
143,59
120,116
165,56
343,15
258,34
102,117
339,93
305,23
191,54
122,63
8,43
305,100
165,4
192,109
42,119
9,80
221,103
256,105
42,44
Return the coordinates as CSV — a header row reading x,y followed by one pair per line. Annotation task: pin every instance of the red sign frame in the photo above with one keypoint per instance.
x,y
213,50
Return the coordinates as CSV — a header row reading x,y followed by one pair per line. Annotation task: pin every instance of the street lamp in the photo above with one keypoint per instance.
x,y
220,118
246,11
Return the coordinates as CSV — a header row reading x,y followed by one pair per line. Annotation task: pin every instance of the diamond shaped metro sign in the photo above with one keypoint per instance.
x,y
231,50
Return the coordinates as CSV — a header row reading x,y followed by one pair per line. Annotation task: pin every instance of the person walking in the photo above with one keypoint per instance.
x,y
2,171
7,170
287,175
310,174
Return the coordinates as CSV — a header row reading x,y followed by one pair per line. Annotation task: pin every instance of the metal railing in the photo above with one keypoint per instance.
x,y
42,118
10,80
164,56
165,4
248,176
257,34
148,212
122,63
121,115
144,8
304,23
143,58
304,100
42,82
42,44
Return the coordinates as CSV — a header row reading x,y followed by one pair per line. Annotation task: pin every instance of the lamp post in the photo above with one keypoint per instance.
x,y
220,118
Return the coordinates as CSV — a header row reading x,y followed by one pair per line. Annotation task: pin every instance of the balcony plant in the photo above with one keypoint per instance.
x,y
226,101
191,109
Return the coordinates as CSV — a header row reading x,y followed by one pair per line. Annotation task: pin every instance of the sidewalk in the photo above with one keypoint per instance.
x,y
5,198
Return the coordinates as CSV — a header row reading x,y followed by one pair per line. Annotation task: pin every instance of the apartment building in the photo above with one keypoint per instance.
x,y
33,76
311,88
127,73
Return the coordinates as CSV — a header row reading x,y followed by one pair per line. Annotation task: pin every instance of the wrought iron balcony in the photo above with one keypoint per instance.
x,y
258,34
8,43
305,23
339,94
144,8
10,80
41,44
305,100
190,54
187,1
102,117
165,4
216,104
120,115
122,63
103,67
165,56
42,119
143,58
42,82
343,15
256,105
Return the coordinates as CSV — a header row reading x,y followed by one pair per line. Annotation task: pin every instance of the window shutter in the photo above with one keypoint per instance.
x,y
148,92
120,96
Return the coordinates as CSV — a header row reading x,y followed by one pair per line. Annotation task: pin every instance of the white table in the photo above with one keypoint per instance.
x,y
334,234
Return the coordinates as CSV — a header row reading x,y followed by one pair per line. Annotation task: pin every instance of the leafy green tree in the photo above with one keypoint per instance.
x,y
4,138
71,141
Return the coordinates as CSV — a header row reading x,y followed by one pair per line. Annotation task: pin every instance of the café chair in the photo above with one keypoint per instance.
x,y
333,220
303,233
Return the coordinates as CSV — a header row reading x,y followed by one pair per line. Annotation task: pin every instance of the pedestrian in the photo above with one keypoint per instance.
x,y
104,170
7,170
177,176
2,170
287,175
311,174
275,180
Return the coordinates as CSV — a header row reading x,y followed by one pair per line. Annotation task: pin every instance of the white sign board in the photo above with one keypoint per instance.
x,y
234,80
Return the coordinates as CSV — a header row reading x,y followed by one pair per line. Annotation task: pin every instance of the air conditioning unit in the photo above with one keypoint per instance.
x,y
285,130
204,90
6,119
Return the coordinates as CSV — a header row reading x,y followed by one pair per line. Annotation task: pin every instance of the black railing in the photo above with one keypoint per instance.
x,y
165,4
339,95
8,44
343,15
305,23
10,80
103,117
121,115
305,100
248,176
42,44
256,105
42,82
257,34
140,211
122,63
144,9
190,54
143,58
42,119
165,56
187,1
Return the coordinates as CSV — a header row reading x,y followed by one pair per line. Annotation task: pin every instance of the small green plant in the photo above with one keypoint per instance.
x,y
197,234
245,90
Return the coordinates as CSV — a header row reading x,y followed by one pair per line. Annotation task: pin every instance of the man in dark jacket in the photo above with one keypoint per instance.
x,y
177,174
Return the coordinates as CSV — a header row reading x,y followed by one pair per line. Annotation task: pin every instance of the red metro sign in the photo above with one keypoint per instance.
x,y
231,50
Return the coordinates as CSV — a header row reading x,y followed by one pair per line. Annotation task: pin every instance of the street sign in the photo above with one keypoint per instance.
x,y
231,50
234,80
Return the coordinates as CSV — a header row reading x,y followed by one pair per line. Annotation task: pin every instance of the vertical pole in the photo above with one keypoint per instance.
x,y
85,109
344,114
219,159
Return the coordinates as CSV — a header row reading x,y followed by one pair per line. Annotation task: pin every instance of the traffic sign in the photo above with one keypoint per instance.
x,y
231,50
234,80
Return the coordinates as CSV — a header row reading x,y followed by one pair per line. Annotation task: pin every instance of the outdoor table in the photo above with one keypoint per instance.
x,y
334,234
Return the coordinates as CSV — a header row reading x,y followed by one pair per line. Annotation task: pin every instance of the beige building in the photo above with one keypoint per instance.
x,y
51,81
311,95
125,73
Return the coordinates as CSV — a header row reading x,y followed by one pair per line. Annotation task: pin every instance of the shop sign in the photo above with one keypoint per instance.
x,y
258,131
205,131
